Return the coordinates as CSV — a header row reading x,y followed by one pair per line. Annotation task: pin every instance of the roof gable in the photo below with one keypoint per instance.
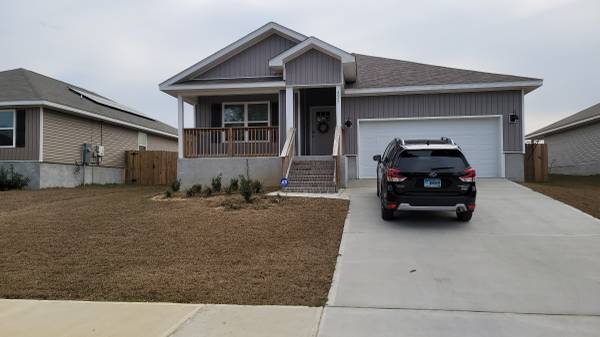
x,y
233,49
250,62
347,59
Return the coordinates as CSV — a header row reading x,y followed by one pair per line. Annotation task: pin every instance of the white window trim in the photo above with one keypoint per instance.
x,y
246,122
145,137
14,130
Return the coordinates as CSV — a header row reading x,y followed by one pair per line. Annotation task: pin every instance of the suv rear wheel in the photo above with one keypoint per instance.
x,y
464,216
386,214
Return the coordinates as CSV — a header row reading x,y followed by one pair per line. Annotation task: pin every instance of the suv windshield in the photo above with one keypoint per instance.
x,y
430,160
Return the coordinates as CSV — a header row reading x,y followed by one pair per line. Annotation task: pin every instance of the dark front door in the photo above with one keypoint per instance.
x,y
322,128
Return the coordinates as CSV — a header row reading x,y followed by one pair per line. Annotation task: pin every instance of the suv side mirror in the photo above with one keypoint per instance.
x,y
377,158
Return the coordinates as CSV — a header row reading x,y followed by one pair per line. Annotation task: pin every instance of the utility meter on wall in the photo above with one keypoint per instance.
x,y
99,151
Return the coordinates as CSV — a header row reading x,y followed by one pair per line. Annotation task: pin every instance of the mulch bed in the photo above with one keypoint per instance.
x,y
118,244
581,192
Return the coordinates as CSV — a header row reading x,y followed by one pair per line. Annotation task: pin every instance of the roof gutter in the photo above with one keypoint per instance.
x,y
560,128
62,107
444,88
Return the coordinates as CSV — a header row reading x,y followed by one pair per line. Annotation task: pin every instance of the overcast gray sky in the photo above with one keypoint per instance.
x,y
123,49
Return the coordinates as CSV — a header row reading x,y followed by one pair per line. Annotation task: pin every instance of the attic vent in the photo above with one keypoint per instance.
x,y
109,103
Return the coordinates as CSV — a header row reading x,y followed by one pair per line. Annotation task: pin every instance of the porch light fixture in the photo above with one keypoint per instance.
x,y
513,117
348,123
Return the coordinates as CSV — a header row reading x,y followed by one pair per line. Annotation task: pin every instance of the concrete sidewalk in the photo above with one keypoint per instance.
x,y
33,318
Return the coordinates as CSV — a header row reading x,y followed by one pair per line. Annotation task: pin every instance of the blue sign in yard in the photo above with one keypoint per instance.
x,y
283,182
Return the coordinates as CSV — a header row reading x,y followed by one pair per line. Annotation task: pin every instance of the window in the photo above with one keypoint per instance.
x,y
142,141
249,115
430,160
7,128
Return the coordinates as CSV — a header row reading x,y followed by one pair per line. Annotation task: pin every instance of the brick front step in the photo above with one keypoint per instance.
x,y
312,176
311,189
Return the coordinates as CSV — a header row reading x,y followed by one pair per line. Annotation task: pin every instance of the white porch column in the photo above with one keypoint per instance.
x,y
180,120
338,106
289,108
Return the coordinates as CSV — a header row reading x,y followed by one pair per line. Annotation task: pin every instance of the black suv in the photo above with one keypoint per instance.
x,y
430,175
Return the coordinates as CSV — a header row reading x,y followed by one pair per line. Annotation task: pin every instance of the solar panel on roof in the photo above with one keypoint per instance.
x,y
109,103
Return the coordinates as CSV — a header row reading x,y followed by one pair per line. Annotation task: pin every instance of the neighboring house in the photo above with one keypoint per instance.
x,y
275,88
573,143
44,124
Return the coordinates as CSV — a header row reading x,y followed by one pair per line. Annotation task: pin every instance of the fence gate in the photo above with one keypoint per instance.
x,y
150,167
536,162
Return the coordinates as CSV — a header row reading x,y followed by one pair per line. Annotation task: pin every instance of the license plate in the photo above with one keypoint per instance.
x,y
432,183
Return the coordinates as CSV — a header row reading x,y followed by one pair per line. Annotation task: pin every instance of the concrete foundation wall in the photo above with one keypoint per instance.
x,y
514,166
30,170
201,170
46,175
64,175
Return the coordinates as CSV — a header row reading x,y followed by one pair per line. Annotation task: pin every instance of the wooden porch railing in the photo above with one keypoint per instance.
x,y
287,153
231,142
337,155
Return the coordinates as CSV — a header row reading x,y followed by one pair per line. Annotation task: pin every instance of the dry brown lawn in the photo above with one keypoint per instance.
x,y
117,244
582,192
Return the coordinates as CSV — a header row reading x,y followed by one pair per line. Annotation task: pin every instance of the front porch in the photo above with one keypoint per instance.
x,y
269,127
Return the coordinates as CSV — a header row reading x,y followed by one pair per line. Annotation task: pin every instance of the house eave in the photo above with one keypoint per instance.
x,y
563,128
84,113
528,86
223,88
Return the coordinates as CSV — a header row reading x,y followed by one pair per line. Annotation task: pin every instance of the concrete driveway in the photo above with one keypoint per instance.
x,y
526,265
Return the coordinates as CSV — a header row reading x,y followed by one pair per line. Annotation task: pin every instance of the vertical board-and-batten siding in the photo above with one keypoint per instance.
x,y
30,150
437,105
575,151
313,68
252,62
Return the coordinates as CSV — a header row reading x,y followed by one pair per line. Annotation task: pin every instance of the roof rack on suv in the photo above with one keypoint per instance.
x,y
448,140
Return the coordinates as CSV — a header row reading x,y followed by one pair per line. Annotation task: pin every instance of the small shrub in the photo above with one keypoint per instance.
x,y
11,180
207,191
216,183
257,187
176,185
193,191
168,193
246,188
234,184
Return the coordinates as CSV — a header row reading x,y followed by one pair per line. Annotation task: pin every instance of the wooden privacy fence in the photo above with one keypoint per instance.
x,y
150,167
536,162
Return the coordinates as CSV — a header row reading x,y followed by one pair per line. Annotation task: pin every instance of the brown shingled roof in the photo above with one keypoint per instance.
x,y
379,72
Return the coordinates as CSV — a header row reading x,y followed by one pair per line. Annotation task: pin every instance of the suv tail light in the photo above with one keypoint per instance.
x,y
469,176
393,175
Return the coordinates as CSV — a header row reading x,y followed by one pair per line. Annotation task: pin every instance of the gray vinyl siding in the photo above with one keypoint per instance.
x,y
576,151
203,107
32,138
252,62
437,105
313,68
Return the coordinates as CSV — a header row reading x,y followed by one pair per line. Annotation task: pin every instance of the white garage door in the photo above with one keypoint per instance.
x,y
479,138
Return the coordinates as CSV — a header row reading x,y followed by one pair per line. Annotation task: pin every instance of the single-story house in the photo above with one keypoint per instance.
x,y
277,102
573,143
44,124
